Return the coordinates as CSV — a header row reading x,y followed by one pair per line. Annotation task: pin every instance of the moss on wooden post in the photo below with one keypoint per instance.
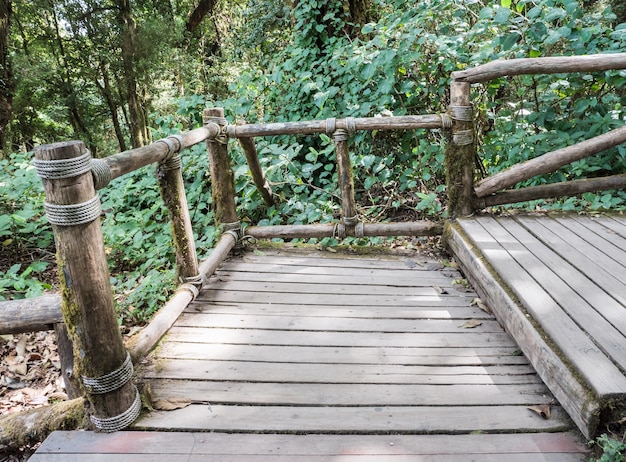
x,y
222,176
170,179
346,179
73,208
460,152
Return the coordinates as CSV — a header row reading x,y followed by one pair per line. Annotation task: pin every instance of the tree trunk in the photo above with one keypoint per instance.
x,y
105,90
204,8
6,74
137,119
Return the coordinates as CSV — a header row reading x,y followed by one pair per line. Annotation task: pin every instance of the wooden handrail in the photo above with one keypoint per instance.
x,y
133,159
544,191
547,65
322,126
549,162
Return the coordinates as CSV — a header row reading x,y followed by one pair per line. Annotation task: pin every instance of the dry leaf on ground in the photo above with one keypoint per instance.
x,y
171,403
543,410
471,324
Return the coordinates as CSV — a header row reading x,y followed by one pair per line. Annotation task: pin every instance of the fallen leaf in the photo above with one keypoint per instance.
x,y
480,304
258,252
171,403
543,410
440,290
20,347
471,324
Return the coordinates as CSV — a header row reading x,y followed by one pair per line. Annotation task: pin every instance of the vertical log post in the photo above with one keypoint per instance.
x,y
73,208
170,179
66,356
249,149
222,176
346,181
460,152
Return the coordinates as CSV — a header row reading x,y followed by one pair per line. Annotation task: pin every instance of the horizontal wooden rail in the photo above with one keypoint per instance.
x,y
566,188
128,161
338,230
146,339
330,125
547,65
30,315
549,162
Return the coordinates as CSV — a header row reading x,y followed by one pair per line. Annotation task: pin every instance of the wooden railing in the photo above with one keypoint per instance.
x,y
71,180
493,190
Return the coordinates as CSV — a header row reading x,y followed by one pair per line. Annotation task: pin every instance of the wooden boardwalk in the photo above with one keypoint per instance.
x,y
299,355
558,285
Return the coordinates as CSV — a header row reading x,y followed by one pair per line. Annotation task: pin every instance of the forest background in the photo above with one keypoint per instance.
x,y
120,74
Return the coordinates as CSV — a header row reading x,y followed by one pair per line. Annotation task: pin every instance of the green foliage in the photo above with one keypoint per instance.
x,y
612,449
26,240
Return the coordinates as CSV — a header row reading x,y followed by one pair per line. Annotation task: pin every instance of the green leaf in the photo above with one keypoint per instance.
x,y
505,3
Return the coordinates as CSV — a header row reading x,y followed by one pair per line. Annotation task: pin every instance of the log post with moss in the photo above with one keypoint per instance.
x,y
170,179
73,208
222,176
346,179
460,152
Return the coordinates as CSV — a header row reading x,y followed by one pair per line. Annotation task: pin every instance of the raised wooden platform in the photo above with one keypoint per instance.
x,y
557,283
299,355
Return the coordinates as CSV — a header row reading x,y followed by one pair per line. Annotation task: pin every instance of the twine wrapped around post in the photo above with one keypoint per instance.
x,y
222,175
73,207
460,152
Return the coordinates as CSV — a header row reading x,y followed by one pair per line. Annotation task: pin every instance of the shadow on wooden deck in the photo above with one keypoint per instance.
x,y
300,355
557,284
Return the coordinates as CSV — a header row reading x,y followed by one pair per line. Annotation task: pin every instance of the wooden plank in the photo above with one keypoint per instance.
x,y
521,457
573,395
276,445
616,242
220,392
614,224
343,261
235,296
336,311
575,293
419,270
287,419
338,373
326,289
336,324
344,355
264,337
510,258
412,280
611,244
596,265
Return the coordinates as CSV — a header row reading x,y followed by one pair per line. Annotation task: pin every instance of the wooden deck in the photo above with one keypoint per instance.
x,y
558,285
298,355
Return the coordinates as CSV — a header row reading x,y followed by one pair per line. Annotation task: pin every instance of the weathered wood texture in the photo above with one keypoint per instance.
x,y
566,274
549,162
222,447
460,153
87,304
309,343
30,315
172,187
128,161
262,185
546,65
566,188
321,126
411,228
222,176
